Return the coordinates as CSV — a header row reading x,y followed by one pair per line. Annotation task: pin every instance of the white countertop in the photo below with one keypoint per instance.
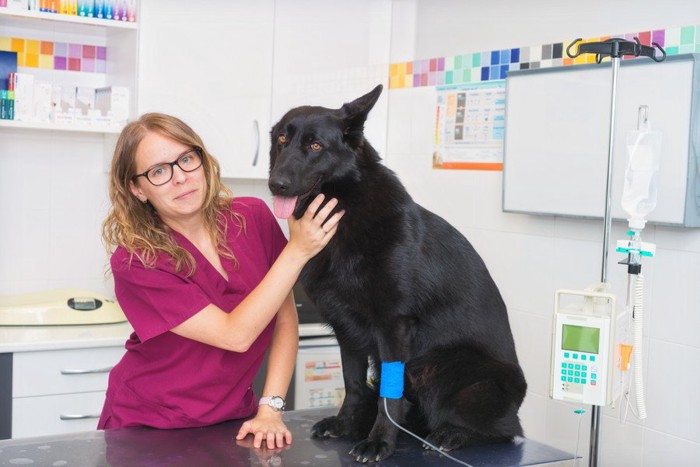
x,y
30,338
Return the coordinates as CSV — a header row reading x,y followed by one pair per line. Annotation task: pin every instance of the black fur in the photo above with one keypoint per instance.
x,y
398,283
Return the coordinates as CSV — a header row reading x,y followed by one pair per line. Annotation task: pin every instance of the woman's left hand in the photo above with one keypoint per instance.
x,y
267,426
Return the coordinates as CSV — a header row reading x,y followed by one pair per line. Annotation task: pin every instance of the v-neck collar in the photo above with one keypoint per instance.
x,y
202,260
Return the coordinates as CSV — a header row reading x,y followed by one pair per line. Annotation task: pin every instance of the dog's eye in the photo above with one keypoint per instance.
x,y
315,146
282,139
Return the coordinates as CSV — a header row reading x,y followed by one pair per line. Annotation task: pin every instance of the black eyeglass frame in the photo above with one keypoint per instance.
x,y
172,165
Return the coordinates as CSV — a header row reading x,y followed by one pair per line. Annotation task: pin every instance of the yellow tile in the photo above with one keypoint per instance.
x,y
401,83
20,59
408,81
5,44
393,69
402,69
31,60
17,45
32,47
46,61
393,79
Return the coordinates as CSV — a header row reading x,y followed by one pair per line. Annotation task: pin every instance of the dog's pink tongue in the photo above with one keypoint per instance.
x,y
284,206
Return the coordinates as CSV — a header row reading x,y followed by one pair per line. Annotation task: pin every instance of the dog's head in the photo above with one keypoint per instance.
x,y
314,146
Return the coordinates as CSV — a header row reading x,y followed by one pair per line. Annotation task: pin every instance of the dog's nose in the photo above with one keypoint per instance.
x,y
279,185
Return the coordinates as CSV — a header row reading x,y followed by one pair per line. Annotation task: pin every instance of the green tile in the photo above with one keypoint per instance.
x,y
476,59
687,35
458,62
672,50
448,77
467,75
687,49
697,48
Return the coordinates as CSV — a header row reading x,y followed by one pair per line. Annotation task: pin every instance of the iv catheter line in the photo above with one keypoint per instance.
x,y
435,448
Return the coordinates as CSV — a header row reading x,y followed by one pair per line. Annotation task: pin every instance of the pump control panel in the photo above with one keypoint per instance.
x,y
585,362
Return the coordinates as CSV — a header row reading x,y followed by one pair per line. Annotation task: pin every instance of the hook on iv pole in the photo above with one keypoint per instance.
x,y
616,48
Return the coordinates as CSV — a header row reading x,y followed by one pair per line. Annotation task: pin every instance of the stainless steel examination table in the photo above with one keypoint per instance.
x,y
216,446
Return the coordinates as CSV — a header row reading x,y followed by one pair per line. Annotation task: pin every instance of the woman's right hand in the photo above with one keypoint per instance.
x,y
314,230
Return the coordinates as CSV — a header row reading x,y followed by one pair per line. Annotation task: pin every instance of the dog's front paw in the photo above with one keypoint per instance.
x,y
372,451
331,427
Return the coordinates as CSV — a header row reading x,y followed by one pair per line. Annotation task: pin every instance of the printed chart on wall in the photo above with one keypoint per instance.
x,y
469,126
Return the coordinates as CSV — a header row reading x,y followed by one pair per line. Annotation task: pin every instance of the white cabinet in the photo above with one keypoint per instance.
x,y
211,66
60,391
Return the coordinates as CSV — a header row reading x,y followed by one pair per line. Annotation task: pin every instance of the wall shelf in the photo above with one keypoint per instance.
x,y
70,127
34,15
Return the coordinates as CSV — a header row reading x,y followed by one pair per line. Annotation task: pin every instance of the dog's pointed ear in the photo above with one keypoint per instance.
x,y
355,113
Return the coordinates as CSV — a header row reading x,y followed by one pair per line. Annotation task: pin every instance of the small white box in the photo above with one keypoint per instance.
x,y
24,92
41,108
113,102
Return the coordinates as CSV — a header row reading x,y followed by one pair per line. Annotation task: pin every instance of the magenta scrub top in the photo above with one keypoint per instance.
x,y
168,381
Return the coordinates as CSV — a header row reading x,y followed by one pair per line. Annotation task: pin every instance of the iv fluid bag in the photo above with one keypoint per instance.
x,y
643,152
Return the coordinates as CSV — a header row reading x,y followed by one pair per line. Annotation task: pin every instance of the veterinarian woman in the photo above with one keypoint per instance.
x,y
205,280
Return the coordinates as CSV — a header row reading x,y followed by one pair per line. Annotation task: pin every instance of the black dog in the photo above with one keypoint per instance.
x,y
398,284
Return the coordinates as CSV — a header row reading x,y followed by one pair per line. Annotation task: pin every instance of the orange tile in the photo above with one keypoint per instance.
x,y
17,45
46,48
409,68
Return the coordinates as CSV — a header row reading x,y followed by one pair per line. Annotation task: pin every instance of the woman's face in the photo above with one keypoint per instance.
x,y
181,198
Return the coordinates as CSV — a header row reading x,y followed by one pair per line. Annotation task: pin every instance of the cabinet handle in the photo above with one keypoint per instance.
x,y
77,416
257,142
86,372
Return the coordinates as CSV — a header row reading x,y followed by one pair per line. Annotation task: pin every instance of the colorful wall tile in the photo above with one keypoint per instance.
x,y
56,55
494,65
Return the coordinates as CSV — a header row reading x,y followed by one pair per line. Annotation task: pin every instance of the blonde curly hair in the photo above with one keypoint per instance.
x,y
136,226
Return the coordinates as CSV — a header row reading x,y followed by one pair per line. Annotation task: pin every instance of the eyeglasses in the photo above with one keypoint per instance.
x,y
160,174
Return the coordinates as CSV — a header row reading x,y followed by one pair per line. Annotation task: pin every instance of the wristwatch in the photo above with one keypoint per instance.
x,y
276,402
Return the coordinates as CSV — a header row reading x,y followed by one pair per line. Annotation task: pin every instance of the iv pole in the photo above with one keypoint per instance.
x,y
615,49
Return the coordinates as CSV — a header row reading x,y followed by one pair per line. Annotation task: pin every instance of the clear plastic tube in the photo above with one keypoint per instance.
x,y
637,336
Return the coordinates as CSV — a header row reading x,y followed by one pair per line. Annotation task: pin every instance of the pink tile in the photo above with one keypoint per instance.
x,y
73,64
88,51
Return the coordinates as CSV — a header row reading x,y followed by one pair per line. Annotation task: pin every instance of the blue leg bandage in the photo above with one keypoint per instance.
x,y
391,384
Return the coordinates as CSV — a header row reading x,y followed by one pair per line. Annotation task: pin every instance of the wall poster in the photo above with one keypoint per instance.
x,y
470,126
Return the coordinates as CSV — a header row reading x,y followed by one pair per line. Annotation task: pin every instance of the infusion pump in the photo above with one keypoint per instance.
x,y
588,348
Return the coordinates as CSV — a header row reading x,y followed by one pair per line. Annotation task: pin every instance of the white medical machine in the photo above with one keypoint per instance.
x,y
588,352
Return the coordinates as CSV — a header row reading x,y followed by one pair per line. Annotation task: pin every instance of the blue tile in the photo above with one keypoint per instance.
x,y
514,55
505,56
495,57
484,73
504,71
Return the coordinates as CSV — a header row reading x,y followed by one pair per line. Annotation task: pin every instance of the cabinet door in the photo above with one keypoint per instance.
x,y
63,371
51,415
212,67
315,65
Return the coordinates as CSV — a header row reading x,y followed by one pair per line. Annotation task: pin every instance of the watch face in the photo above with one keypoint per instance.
x,y
277,403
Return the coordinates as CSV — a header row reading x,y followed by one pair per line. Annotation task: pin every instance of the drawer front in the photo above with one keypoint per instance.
x,y
63,371
50,415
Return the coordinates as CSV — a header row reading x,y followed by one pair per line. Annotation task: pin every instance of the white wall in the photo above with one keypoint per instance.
x,y
530,257
53,199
